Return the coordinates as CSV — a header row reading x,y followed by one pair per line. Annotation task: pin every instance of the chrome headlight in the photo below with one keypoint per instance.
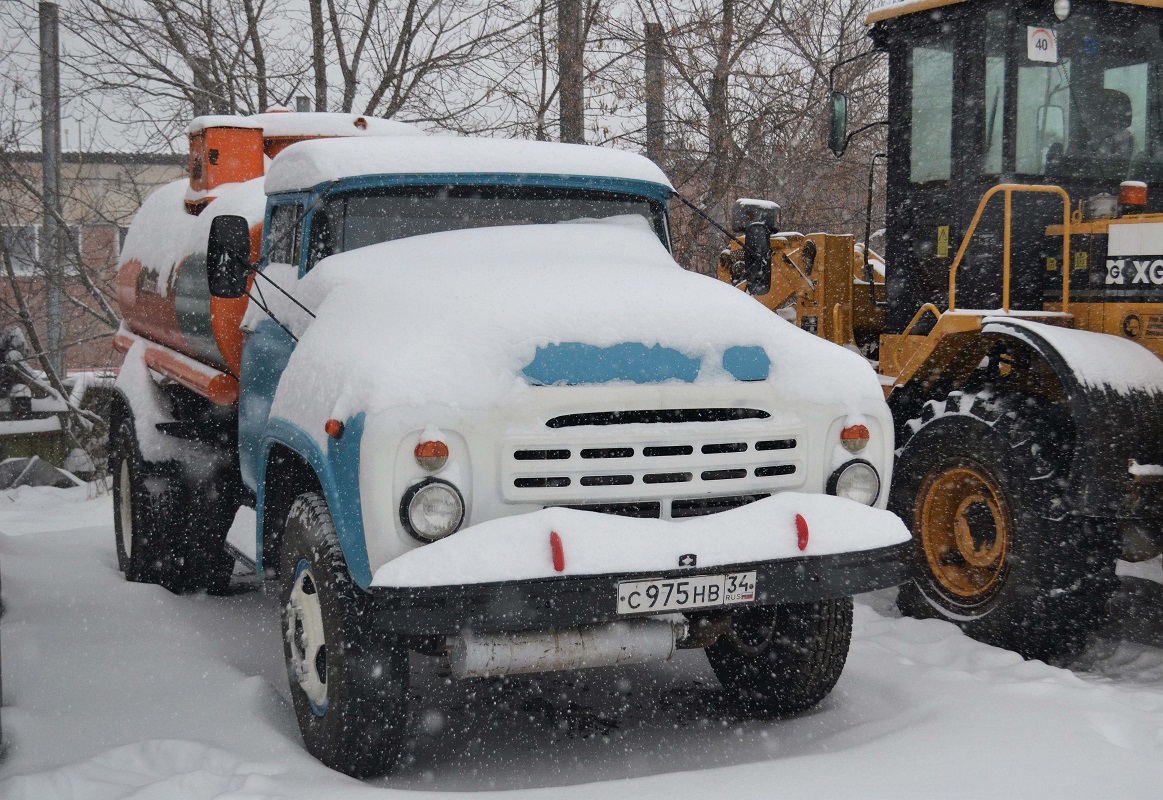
x,y
857,480
431,510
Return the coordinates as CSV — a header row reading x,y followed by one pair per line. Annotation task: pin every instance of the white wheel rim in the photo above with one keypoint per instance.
x,y
125,509
305,634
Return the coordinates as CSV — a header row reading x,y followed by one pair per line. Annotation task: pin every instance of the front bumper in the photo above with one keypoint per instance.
x,y
565,602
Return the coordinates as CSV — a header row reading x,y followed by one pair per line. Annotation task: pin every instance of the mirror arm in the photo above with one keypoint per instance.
x,y
842,62
703,214
867,272
861,130
270,314
258,273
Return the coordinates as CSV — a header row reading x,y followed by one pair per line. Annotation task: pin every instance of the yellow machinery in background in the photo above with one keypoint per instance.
x,y
1016,319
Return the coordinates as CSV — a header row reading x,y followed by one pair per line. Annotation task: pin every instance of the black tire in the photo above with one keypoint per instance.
x,y
196,559
139,505
177,528
350,692
781,660
1026,573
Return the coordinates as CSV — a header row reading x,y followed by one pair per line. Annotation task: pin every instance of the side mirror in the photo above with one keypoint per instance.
x,y
757,220
228,256
838,129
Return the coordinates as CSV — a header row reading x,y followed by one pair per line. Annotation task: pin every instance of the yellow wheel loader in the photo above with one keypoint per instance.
x,y
1016,317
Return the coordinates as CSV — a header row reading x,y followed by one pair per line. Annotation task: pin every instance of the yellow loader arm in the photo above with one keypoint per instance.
x,y
818,284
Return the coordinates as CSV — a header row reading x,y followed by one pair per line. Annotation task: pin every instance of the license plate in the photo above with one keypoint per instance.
x,y
679,594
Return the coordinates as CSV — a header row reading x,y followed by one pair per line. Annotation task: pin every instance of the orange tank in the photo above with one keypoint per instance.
x,y
161,284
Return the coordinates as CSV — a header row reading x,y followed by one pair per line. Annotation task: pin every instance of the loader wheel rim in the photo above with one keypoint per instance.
x,y
965,531
125,508
305,633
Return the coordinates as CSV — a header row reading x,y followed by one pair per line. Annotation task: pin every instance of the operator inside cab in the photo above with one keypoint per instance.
x,y
1087,114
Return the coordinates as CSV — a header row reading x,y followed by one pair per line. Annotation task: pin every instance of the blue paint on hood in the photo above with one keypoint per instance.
x,y
747,363
575,363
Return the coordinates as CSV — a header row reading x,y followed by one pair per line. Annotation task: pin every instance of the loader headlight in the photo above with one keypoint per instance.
x,y
857,480
431,510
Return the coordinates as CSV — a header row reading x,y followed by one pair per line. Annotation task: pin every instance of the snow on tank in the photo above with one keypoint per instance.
x,y
161,286
278,124
312,163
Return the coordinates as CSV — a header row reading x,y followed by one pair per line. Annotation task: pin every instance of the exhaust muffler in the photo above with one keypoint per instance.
x,y
474,655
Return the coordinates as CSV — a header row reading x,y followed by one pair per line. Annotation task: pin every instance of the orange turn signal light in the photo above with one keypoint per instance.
x,y
334,428
854,438
1133,193
431,455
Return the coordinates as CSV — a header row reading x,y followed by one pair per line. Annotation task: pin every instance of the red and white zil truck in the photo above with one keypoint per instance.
x,y
483,416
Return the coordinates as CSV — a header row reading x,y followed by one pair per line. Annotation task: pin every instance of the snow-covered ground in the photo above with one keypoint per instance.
x,y
115,690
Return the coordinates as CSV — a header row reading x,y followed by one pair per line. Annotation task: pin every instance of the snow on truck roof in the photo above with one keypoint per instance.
x,y
308,164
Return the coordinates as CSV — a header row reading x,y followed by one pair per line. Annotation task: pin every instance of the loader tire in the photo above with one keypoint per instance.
x,y
781,660
349,682
981,481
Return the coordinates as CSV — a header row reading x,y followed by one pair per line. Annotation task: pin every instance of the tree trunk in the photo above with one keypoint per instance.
x,y
655,93
571,81
718,120
318,54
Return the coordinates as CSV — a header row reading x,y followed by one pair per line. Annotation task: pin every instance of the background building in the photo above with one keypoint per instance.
x,y
100,193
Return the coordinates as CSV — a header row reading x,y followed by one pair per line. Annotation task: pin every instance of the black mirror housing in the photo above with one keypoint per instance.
x,y
757,220
757,258
838,129
746,212
228,256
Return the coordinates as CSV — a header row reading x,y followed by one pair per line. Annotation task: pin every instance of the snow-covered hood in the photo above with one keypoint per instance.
x,y
475,318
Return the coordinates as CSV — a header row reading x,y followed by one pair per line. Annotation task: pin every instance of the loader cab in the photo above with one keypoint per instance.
x,y
986,92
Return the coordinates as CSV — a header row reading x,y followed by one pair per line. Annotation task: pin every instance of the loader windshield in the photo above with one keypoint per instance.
x,y
368,217
1088,104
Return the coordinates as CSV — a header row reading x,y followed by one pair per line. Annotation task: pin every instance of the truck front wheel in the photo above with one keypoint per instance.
x,y
781,660
349,684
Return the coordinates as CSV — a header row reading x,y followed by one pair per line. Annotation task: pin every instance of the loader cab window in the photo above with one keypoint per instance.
x,y
1093,111
995,93
931,114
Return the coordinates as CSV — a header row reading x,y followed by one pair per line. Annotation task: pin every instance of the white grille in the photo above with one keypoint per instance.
x,y
599,465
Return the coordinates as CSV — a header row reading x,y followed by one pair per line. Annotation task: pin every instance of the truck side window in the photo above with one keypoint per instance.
x,y
931,115
323,234
285,233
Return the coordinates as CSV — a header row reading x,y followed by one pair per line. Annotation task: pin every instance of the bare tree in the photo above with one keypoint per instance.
x,y
163,60
526,102
421,58
746,107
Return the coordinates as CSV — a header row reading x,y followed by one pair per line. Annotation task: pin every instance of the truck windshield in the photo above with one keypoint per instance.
x,y
359,219
1088,99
